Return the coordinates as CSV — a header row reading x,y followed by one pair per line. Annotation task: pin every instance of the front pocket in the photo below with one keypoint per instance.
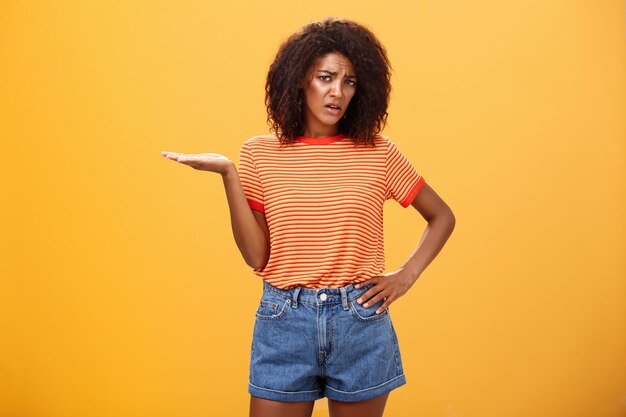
x,y
367,314
271,309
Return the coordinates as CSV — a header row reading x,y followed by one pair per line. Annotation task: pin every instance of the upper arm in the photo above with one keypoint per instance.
x,y
249,177
260,219
428,203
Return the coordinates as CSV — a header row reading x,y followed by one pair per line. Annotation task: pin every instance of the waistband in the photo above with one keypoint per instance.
x,y
319,296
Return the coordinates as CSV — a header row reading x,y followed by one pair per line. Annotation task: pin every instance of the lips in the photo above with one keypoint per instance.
x,y
333,111
333,106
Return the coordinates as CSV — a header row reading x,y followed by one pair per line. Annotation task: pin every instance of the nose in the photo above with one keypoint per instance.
x,y
336,89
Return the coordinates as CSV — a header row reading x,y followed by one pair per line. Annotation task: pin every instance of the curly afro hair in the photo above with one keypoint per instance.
x,y
366,114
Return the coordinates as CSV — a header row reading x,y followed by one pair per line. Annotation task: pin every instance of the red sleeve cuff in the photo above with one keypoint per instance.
x,y
256,206
411,195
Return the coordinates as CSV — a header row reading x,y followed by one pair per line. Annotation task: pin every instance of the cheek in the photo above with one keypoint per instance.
x,y
314,94
350,95
317,90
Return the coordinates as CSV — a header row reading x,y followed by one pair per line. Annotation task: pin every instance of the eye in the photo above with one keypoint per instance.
x,y
351,82
324,76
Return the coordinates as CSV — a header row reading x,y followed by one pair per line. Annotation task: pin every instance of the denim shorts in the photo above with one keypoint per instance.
x,y
313,343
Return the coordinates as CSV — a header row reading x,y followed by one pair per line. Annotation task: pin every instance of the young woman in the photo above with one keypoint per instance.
x,y
306,207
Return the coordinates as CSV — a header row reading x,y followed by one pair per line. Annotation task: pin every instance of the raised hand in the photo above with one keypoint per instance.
x,y
203,161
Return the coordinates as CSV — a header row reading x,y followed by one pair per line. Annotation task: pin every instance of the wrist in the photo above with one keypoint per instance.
x,y
412,273
229,172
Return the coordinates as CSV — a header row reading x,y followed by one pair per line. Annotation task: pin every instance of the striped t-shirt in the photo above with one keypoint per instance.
x,y
323,203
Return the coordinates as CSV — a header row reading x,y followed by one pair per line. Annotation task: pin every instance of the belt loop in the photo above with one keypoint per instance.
x,y
296,291
344,297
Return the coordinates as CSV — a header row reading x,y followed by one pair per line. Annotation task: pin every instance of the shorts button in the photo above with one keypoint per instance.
x,y
323,297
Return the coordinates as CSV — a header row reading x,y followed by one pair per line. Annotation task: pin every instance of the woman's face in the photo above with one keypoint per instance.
x,y
331,81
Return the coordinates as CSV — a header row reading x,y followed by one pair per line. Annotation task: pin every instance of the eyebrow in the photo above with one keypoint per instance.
x,y
335,73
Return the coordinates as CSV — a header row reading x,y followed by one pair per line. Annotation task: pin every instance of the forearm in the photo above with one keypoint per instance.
x,y
433,239
249,236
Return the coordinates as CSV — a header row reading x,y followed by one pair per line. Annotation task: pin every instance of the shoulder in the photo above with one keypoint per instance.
x,y
260,139
380,138
388,143
383,141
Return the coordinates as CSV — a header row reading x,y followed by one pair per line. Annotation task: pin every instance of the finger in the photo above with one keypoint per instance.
x,y
384,305
375,299
187,158
174,157
365,298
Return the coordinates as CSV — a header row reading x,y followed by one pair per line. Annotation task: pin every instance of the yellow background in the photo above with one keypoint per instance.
x,y
122,291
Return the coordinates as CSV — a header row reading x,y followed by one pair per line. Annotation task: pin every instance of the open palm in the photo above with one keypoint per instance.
x,y
203,161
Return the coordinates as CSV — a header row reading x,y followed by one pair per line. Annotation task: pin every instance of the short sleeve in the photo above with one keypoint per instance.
x,y
250,179
402,180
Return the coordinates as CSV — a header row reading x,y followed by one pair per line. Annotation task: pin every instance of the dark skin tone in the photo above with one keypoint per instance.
x,y
393,285
390,286
338,88
374,407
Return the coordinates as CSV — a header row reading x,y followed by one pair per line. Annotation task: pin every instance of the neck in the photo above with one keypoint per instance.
x,y
315,129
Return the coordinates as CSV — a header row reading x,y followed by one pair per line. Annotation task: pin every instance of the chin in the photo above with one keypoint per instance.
x,y
331,120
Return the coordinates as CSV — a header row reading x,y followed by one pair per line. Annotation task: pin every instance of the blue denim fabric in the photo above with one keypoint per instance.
x,y
313,343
